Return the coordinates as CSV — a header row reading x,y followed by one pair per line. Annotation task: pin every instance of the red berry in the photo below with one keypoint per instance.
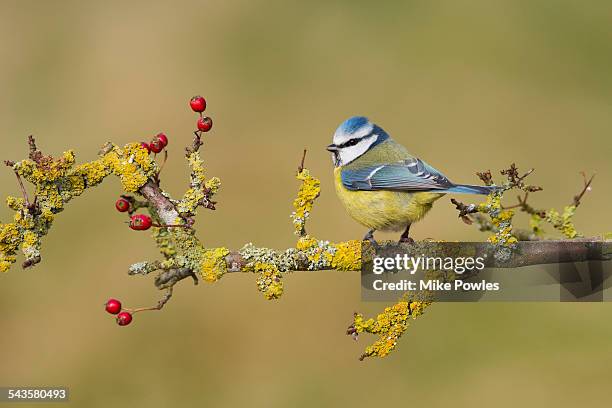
x,y
205,124
145,145
140,222
124,318
162,138
156,146
198,104
122,205
113,306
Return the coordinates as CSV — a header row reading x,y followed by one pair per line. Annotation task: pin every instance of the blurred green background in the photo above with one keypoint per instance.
x,y
466,85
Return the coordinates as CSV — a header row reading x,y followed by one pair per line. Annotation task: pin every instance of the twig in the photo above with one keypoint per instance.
x,y
195,145
465,210
171,277
24,192
525,207
486,177
206,203
301,166
162,166
587,187
517,181
160,305
35,154
135,204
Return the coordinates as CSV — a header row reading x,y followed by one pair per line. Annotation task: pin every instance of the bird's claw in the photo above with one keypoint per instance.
x,y
406,240
370,238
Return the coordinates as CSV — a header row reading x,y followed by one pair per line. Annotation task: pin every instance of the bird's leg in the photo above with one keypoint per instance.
x,y
405,238
370,237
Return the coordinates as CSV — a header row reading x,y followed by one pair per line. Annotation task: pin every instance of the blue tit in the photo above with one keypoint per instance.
x,y
382,186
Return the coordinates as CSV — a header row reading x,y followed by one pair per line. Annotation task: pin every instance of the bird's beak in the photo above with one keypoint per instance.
x,y
332,148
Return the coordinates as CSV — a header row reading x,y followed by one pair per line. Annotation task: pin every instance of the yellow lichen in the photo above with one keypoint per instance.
x,y
389,325
535,224
132,164
306,242
92,173
56,181
198,172
5,263
347,256
307,194
10,238
213,265
164,241
30,239
213,185
320,254
190,201
200,189
501,220
46,169
563,222
269,281
14,203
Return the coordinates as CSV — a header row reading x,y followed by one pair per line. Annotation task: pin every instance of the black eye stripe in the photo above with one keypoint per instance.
x,y
350,142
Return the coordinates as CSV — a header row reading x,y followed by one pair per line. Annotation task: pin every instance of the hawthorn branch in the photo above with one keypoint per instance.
x,y
57,181
560,221
159,201
586,187
527,253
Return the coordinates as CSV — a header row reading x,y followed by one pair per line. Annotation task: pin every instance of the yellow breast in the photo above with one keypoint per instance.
x,y
384,210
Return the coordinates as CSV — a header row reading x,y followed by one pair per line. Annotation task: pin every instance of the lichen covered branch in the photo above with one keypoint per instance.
x,y
495,217
56,181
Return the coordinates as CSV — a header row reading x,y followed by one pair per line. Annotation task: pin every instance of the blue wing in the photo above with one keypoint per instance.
x,y
409,175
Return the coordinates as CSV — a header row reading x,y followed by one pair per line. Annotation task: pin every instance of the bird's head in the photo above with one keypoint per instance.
x,y
353,138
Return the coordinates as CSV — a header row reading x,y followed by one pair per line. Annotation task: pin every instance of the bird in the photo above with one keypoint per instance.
x,y
382,186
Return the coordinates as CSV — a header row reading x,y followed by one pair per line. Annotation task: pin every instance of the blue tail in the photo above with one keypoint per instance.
x,y
468,189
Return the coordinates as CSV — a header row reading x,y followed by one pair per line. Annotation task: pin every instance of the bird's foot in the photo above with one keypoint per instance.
x,y
370,238
406,240
405,237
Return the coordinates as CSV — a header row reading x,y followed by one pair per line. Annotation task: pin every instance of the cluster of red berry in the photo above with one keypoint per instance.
x,y
113,306
198,104
142,222
159,142
138,222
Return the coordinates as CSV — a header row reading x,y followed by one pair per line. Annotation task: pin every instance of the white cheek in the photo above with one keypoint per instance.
x,y
348,154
